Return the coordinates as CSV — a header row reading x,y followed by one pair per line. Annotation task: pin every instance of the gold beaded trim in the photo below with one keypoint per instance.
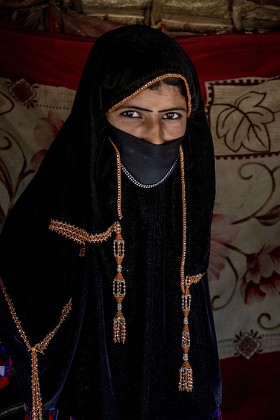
x,y
157,79
185,373
38,348
119,178
79,235
119,290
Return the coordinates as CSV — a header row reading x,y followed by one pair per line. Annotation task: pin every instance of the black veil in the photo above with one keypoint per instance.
x,y
77,184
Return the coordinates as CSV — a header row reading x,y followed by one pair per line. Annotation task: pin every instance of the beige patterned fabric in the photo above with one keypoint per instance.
x,y
244,271
30,117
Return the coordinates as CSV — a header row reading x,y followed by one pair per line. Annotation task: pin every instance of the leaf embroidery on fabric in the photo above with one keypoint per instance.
x,y
244,123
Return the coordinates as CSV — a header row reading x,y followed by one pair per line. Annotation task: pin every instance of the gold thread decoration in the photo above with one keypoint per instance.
x,y
157,79
185,372
79,235
119,290
38,348
36,392
119,285
119,178
82,237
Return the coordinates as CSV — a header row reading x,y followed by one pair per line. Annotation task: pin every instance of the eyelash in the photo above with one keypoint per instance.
x,y
129,114
175,114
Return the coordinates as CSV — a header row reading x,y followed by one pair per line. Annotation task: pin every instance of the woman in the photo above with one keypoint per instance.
x,y
106,308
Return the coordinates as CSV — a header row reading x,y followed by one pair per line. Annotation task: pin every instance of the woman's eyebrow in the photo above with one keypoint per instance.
x,y
176,108
135,107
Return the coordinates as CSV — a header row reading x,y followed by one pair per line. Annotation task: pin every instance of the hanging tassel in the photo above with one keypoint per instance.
x,y
186,373
186,377
119,289
119,326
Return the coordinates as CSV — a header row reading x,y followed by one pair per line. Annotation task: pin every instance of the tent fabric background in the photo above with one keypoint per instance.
x,y
239,77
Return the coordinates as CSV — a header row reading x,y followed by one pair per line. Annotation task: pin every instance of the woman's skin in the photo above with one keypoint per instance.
x,y
154,115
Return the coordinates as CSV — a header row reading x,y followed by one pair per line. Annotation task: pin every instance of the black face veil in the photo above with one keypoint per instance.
x,y
77,184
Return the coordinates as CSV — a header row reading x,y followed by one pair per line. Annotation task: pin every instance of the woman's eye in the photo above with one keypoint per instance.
x,y
131,114
172,116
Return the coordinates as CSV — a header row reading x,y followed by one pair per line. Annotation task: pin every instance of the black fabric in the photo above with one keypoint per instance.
x,y
148,163
144,372
82,371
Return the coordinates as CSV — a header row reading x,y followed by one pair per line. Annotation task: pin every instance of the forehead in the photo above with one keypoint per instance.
x,y
162,96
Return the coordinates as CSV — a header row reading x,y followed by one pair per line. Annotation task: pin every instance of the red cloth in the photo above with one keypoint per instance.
x,y
58,60
4,381
251,387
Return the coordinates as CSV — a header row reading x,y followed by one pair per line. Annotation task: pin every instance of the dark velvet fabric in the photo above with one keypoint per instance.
x,y
142,376
82,371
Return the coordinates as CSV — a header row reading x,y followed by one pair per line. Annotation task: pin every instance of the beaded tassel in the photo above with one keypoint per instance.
x,y
186,374
186,377
119,289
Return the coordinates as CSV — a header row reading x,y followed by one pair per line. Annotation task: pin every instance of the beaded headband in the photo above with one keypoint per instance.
x,y
150,83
